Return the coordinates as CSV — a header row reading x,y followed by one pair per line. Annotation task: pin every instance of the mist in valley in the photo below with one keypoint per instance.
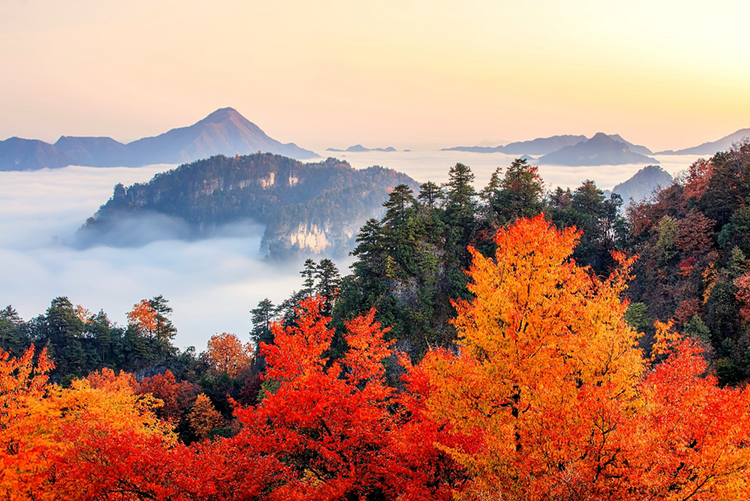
x,y
210,283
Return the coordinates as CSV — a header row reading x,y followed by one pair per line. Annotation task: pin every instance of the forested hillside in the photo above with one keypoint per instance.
x,y
693,240
313,207
510,343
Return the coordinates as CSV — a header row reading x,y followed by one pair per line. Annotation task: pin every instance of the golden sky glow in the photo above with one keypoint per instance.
x,y
667,74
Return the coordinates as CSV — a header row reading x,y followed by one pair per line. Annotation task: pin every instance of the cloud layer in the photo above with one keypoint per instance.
x,y
211,284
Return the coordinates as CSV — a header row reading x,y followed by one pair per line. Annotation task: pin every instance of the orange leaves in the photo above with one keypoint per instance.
x,y
226,353
204,417
92,440
143,316
691,436
23,384
549,380
546,371
298,350
367,349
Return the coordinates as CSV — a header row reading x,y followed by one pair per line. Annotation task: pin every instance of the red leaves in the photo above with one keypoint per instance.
x,y
328,430
546,397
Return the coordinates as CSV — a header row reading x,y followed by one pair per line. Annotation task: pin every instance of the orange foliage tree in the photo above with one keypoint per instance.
x,y
23,384
549,378
690,438
94,440
226,353
143,317
204,417
325,430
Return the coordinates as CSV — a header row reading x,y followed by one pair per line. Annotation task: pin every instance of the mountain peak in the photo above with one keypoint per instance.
x,y
224,115
602,149
601,137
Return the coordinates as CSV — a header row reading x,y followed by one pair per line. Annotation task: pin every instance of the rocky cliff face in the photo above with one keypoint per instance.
x,y
306,208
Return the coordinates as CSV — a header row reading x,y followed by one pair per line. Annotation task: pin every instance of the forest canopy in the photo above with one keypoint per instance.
x,y
511,343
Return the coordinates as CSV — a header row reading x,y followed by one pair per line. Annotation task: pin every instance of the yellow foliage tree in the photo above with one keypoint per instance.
x,y
94,440
546,371
204,417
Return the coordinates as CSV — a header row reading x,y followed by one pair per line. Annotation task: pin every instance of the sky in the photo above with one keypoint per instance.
x,y
408,73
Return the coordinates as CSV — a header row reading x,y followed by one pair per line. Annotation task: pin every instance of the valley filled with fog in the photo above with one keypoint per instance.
x,y
211,284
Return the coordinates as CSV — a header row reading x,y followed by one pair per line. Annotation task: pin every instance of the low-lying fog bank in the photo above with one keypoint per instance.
x,y
433,165
211,284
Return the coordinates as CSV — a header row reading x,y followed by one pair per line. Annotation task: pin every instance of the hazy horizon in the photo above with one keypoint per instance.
x,y
412,75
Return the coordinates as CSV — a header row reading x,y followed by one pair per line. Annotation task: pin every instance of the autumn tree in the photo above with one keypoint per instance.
x,y
226,353
94,440
151,316
548,379
545,373
177,397
203,417
142,316
688,439
327,429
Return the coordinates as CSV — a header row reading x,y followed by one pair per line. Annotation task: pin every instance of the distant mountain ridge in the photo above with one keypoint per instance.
x,y
538,146
601,149
710,148
223,132
31,154
359,148
306,208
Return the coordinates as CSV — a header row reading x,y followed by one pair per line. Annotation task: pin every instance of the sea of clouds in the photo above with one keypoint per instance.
x,y
211,284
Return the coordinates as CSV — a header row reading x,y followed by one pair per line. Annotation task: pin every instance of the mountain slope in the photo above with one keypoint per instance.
x,y
223,132
309,208
31,154
542,146
599,150
723,144
635,148
94,151
538,146
643,184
